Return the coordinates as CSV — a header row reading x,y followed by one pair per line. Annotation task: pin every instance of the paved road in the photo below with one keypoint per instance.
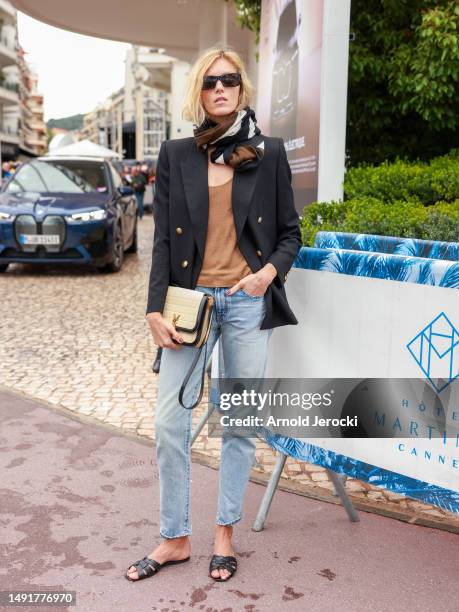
x,y
79,503
79,339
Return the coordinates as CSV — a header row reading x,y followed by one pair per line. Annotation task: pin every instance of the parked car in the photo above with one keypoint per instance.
x,y
67,210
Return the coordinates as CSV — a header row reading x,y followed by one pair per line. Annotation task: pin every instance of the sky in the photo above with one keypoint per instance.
x,y
75,72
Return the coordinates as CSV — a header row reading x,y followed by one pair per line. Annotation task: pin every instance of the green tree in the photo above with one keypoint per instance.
x,y
248,15
75,122
403,77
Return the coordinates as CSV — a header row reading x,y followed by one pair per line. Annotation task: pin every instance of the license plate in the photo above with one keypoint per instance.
x,y
39,238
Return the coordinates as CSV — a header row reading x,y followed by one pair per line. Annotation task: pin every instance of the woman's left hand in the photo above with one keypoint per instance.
x,y
255,284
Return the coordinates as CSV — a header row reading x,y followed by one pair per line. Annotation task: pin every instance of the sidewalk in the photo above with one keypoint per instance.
x,y
79,503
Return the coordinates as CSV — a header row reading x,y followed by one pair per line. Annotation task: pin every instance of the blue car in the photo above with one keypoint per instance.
x,y
67,210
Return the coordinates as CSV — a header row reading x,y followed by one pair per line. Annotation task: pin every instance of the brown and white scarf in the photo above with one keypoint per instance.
x,y
236,138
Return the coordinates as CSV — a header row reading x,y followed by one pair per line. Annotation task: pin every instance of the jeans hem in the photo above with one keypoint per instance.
x,y
171,537
230,523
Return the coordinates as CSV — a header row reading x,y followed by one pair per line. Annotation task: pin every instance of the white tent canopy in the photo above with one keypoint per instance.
x,y
61,140
85,148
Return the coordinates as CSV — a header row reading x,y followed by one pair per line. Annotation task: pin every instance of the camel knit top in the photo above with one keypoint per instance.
x,y
224,264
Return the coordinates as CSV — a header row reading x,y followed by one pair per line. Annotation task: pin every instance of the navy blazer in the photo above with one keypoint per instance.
x,y
266,221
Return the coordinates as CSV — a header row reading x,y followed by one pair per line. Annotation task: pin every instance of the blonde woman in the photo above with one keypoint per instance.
x,y
226,224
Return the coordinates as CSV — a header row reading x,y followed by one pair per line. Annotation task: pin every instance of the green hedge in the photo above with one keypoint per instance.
x,y
408,199
401,180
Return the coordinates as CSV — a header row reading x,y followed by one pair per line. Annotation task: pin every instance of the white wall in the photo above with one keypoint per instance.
x,y
333,99
179,127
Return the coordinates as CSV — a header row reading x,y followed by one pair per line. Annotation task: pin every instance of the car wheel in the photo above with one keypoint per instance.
x,y
3,267
118,252
133,247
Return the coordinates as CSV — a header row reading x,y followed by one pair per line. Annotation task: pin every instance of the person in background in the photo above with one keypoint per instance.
x,y
144,171
127,174
138,184
6,170
151,180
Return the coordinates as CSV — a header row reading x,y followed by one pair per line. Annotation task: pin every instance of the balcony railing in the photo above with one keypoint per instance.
x,y
10,86
8,130
37,126
34,141
5,41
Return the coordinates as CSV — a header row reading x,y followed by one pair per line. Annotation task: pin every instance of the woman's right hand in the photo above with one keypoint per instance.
x,y
164,333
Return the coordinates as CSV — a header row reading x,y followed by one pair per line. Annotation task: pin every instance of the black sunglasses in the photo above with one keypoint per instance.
x,y
231,79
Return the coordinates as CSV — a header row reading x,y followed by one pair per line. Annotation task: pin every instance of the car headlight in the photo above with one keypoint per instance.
x,y
6,216
93,215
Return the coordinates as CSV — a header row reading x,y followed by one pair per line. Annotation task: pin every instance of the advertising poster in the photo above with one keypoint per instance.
x,y
289,86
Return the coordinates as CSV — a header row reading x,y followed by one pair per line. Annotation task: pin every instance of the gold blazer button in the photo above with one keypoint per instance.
x,y
179,230
259,253
184,263
260,219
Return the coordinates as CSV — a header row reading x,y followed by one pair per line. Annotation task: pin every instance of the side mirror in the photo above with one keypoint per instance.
x,y
125,191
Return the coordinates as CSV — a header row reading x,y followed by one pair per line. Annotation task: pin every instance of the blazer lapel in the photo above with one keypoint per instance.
x,y
242,192
195,182
196,185
242,196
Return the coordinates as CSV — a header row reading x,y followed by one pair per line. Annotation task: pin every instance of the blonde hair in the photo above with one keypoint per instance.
x,y
192,109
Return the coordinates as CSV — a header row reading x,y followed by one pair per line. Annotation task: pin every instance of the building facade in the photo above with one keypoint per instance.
x,y
35,139
22,126
134,120
32,127
9,89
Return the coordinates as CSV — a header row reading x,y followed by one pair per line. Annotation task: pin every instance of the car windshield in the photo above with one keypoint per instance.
x,y
59,176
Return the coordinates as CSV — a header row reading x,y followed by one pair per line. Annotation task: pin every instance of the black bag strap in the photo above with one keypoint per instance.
x,y
188,375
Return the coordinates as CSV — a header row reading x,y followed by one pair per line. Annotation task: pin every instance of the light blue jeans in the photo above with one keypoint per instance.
x,y
139,196
236,321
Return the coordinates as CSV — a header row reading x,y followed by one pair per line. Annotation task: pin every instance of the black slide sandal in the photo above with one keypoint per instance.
x,y
147,567
221,562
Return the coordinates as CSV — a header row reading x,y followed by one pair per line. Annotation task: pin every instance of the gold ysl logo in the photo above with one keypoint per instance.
x,y
175,318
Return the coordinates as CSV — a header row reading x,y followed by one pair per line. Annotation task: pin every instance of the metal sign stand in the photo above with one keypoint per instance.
x,y
337,479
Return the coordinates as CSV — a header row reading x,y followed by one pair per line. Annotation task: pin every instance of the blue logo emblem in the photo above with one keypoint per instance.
x,y
436,351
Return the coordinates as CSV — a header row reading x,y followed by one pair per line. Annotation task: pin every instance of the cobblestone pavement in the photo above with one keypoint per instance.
x,y
79,339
